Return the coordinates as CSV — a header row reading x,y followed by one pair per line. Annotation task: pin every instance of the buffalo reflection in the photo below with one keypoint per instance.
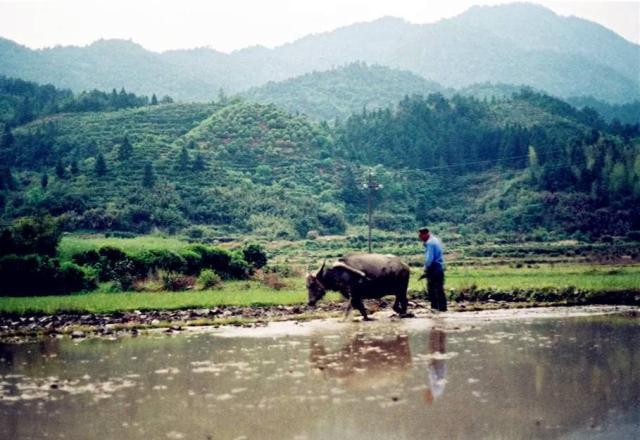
x,y
365,361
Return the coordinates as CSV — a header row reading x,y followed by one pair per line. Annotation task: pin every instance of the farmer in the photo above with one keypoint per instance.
x,y
433,269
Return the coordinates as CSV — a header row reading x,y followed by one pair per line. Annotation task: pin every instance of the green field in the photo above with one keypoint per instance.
x,y
253,293
74,244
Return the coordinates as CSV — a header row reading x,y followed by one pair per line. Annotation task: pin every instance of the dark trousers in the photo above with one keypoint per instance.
x,y
435,289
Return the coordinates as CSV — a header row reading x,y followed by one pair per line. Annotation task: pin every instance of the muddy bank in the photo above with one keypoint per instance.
x,y
15,328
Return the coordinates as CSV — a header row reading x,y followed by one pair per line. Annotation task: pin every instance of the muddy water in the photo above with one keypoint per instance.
x,y
548,375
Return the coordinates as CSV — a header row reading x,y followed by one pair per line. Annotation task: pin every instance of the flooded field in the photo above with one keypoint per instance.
x,y
541,374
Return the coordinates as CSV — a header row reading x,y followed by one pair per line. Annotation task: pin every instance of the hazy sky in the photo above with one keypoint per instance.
x,y
233,24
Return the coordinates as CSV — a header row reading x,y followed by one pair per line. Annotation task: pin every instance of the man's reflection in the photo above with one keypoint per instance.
x,y
437,367
365,361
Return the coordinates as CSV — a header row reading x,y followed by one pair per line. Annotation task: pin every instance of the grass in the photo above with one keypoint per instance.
x,y
252,293
581,276
73,244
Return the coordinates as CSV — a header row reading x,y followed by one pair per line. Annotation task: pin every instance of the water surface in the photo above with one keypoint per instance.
x,y
456,376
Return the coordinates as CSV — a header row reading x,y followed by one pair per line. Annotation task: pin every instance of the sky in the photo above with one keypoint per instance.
x,y
234,24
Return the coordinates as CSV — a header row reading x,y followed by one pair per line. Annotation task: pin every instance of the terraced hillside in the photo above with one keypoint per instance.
x,y
528,162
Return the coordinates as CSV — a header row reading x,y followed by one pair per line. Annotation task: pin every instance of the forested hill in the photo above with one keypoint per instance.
x,y
529,162
339,92
23,101
512,44
342,91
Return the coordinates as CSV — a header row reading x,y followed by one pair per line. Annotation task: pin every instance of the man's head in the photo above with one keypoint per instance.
x,y
423,234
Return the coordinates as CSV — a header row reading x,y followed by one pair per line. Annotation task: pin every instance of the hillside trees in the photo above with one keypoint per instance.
x,y
125,150
149,177
100,167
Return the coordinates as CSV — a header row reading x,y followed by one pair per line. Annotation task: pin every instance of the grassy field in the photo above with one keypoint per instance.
x,y
254,293
73,244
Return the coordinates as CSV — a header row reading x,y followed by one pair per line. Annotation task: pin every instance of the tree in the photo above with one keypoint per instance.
x,y
154,99
199,163
148,178
73,169
126,150
6,146
6,140
351,192
183,160
60,172
44,180
534,164
6,178
101,165
30,235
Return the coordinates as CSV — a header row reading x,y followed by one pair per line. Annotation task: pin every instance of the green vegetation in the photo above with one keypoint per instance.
x,y
27,266
496,282
231,167
23,101
340,92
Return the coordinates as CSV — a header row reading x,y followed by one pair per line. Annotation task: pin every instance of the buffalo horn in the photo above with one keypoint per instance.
x,y
321,268
350,269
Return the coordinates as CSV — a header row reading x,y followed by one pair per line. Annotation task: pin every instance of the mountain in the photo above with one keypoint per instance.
x,y
105,65
339,92
628,113
513,44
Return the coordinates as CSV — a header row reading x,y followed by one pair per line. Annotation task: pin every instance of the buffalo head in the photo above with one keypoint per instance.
x,y
315,288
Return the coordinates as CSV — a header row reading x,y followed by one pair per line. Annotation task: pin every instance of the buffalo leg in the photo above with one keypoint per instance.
x,y
401,300
356,302
347,310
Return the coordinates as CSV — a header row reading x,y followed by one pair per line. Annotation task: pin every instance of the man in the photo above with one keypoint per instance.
x,y
433,269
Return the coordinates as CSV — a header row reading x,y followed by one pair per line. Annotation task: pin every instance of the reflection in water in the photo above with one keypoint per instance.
x,y
437,366
553,378
365,361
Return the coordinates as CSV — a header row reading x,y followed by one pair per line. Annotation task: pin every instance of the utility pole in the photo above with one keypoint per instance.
x,y
371,186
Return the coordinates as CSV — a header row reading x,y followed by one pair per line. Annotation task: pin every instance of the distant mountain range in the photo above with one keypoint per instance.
x,y
511,44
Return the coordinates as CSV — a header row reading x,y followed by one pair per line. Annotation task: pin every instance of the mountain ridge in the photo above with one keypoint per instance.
x,y
514,44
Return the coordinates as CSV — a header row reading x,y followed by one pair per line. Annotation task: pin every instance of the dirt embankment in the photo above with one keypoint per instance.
x,y
79,325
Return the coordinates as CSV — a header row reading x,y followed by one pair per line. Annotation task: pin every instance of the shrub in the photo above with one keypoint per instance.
x,y
208,279
112,254
212,258
633,235
42,275
283,270
230,265
175,282
238,268
192,260
73,278
87,258
332,221
255,255
273,281
161,259
123,272
30,235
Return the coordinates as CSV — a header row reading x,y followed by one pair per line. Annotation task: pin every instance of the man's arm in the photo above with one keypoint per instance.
x,y
428,259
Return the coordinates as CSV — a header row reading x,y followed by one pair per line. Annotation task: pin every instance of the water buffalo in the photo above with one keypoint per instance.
x,y
362,276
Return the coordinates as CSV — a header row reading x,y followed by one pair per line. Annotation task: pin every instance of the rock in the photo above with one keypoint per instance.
x,y
175,327
155,321
77,334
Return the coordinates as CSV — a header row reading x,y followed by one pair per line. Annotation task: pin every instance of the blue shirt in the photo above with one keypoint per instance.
x,y
433,253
